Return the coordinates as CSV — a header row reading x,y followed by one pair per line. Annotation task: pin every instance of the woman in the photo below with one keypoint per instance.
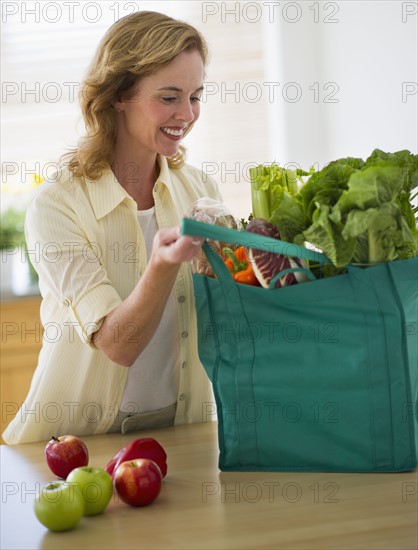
x,y
120,346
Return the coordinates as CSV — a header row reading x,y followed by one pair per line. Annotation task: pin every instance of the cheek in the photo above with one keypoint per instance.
x,y
157,113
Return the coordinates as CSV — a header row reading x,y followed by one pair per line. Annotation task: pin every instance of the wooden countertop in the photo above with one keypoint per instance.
x,y
201,507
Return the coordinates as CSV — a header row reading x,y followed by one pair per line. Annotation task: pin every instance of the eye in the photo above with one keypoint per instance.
x,y
195,99
170,99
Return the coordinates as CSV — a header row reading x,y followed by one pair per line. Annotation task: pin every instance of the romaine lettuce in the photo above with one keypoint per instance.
x,y
356,211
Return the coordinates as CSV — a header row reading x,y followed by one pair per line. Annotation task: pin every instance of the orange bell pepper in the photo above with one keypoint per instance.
x,y
238,264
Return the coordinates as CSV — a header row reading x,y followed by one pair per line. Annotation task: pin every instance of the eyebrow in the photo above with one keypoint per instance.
x,y
175,89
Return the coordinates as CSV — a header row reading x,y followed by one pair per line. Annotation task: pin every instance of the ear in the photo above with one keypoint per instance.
x,y
119,106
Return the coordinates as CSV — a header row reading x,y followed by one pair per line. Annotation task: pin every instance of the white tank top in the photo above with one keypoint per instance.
x,y
153,379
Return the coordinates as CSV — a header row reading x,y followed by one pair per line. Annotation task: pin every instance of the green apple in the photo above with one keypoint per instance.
x,y
96,487
59,505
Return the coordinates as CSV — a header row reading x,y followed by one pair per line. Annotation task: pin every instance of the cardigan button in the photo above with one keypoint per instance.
x,y
184,334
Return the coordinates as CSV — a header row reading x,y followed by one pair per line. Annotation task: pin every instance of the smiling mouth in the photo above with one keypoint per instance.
x,y
174,134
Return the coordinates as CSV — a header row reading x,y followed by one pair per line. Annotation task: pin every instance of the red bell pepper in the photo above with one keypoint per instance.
x,y
238,264
144,447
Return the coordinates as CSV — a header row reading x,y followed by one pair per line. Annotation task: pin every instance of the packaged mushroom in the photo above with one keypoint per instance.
x,y
210,210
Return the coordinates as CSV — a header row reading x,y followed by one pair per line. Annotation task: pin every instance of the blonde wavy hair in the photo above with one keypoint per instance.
x,y
135,46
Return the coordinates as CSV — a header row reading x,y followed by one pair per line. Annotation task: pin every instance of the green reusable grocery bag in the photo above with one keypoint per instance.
x,y
318,376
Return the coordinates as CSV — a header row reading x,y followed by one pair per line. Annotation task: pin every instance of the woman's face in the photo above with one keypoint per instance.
x,y
165,107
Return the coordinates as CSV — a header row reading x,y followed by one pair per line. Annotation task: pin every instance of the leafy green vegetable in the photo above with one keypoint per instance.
x,y
326,186
356,211
273,193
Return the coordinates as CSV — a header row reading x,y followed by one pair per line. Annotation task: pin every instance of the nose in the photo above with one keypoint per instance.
x,y
187,111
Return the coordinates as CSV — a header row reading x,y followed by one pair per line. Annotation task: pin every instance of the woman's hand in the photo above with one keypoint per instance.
x,y
171,247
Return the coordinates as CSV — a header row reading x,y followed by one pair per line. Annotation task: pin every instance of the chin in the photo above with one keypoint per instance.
x,y
169,151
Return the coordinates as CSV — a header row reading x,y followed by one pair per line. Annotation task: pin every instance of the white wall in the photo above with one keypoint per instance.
x,y
368,50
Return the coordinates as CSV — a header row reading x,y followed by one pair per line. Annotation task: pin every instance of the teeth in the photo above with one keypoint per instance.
x,y
176,133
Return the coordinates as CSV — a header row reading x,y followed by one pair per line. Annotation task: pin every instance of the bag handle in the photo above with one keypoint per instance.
x,y
251,240
284,272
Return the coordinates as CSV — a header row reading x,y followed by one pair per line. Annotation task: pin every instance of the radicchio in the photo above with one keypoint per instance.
x,y
268,264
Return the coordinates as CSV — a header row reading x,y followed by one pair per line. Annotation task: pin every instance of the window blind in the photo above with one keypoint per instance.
x,y
46,48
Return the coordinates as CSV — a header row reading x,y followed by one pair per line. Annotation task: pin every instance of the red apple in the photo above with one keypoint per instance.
x,y
64,454
138,482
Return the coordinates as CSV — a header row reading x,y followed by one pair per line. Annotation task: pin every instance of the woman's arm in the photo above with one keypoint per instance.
x,y
128,328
